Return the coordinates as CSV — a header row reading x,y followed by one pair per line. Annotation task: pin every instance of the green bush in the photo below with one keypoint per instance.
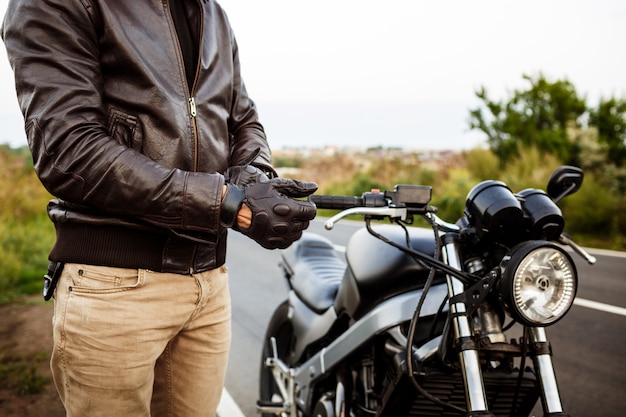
x,y
482,163
26,233
531,168
450,197
595,215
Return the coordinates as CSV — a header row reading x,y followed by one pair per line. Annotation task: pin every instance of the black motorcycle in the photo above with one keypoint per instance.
x,y
414,321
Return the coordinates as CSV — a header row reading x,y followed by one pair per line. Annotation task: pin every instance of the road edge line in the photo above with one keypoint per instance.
x,y
228,407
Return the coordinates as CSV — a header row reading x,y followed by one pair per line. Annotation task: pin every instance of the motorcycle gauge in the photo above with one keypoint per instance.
x,y
539,283
493,209
543,217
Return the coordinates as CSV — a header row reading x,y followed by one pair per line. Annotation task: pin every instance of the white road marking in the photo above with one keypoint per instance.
x,y
600,306
228,407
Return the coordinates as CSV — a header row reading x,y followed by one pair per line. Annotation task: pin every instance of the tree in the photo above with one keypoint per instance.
x,y
610,120
539,116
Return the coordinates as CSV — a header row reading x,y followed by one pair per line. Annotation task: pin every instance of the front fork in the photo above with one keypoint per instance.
x,y
476,397
550,397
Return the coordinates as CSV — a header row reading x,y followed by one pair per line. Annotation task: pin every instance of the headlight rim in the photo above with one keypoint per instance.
x,y
509,267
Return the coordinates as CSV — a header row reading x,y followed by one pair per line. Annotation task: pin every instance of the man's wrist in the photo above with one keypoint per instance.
x,y
244,217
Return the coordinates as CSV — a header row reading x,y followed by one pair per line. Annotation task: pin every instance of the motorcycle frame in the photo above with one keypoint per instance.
x,y
383,317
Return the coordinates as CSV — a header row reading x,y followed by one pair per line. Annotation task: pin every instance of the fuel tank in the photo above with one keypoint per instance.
x,y
377,271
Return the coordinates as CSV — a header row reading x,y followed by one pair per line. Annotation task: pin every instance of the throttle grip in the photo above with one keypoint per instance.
x,y
338,202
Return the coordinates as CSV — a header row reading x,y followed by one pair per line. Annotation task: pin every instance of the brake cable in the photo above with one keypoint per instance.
x,y
413,326
464,277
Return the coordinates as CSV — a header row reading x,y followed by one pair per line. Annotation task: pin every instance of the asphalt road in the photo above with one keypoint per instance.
x,y
588,344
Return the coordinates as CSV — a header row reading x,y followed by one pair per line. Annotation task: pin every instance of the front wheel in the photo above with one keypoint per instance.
x,y
281,329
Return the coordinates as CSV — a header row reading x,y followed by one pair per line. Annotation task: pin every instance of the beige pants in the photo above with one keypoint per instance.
x,y
133,342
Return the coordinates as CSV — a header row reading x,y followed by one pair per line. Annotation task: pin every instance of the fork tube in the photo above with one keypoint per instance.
x,y
472,375
547,377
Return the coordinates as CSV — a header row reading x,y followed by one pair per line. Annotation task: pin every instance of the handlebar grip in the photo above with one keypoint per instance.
x,y
336,202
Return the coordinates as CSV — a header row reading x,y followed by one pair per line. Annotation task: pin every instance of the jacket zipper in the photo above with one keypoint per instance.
x,y
191,100
194,125
192,107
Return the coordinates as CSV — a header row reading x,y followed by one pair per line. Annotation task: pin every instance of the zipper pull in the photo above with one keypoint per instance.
x,y
192,106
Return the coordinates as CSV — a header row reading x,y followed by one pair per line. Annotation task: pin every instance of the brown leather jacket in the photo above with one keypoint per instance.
x,y
133,154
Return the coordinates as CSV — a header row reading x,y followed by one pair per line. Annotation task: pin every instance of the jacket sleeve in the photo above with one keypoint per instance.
x,y
53,49
246,130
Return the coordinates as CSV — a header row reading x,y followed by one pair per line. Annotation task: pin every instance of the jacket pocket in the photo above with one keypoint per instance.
x,y
125,129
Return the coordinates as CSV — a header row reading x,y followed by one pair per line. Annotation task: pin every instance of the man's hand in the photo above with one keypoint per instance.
x,y
247,173
243,175
276,218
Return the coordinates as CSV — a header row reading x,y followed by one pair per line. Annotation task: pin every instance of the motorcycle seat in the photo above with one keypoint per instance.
x,y
316,270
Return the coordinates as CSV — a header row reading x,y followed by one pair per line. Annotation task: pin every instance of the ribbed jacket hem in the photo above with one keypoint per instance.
x,y
123,247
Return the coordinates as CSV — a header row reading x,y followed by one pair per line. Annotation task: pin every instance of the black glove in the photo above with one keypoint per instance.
x,y
247,173
243,175
277,219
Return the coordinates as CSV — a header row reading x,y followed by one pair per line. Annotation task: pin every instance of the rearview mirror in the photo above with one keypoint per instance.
x,y
565,180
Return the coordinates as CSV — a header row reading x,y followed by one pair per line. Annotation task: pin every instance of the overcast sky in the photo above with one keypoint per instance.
x,y
401,72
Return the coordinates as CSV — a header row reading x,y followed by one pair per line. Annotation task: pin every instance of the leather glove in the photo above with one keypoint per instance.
x,y
246,173
243,175
277,218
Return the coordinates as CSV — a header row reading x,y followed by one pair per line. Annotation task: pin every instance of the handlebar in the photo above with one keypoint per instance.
x,y
414,197
400,203
338,202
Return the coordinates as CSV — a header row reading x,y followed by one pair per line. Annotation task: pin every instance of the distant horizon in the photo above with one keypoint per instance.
x,y
441,125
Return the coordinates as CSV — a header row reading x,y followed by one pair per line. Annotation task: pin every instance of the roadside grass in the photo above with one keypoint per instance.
x,y
24,256
20,372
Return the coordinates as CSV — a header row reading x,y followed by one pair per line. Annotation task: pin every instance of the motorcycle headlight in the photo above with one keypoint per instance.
x,y
539,283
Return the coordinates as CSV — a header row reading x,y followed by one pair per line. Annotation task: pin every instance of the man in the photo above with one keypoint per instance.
x,y
139,123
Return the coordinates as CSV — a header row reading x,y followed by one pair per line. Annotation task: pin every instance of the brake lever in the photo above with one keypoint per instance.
x,y
391,212
591,260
